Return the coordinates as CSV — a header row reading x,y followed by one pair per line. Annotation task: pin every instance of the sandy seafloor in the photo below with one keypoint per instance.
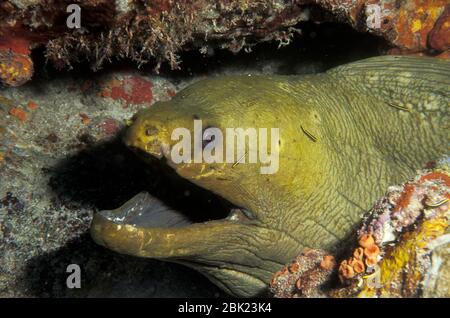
x,y
65,161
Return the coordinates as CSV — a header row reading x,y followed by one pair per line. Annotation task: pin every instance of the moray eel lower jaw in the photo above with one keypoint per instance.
x,y
144,227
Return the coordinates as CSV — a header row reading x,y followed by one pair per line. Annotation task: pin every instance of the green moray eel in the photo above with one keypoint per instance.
x,y
345,136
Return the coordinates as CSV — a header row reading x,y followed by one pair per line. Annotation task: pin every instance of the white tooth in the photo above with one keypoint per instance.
x,y
234,217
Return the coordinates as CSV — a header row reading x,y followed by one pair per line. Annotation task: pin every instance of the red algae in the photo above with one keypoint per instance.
x,y
131,90
405,197
15,44
171,93
109,126
435,176
19,113
32,105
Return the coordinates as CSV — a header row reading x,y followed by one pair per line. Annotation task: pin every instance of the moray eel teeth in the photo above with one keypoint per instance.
x,y
345,136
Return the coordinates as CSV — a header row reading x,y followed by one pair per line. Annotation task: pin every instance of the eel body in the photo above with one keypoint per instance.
x,y
344,137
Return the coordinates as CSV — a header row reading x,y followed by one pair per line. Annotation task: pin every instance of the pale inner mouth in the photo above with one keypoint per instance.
x,y
144,210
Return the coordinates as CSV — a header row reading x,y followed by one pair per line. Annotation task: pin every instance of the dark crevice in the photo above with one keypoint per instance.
x,y
317,48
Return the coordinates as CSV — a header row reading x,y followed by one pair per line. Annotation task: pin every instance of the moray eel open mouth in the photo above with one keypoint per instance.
x,y
147,211
147,227
150,213
144,226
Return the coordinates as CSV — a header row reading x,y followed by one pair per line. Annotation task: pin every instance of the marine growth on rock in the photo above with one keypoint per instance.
x,y
402,248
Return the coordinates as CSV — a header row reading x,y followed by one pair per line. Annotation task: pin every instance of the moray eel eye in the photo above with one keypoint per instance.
x,y
149,131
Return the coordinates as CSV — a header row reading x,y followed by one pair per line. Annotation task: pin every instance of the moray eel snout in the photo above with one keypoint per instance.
x,y
344,137
144,139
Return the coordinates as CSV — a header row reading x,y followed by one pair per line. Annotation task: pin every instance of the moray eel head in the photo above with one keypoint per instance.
x,y
242,251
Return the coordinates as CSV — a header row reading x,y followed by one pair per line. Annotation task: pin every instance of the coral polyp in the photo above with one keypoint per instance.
x,y
304,276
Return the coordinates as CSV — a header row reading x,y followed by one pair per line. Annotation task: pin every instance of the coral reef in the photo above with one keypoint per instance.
x,y
408,225
304,277
403,245
159,30
410,26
